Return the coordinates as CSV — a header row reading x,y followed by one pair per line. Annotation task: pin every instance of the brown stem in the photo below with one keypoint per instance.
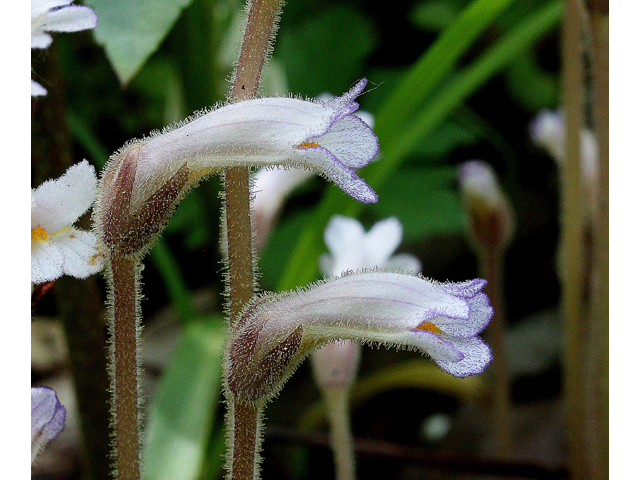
x,y
124,332
491,269
599,365
246,425
244,420
571,244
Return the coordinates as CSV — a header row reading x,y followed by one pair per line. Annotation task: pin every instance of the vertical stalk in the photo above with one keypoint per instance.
x,y
337,404
571,241
244,420
492,269
124,354
600,298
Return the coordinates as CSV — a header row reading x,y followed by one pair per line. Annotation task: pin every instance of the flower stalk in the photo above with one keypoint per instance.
x,y
244,419
571,241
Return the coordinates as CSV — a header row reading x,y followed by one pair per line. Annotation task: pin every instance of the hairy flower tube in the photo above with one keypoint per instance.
x,y
47,418
323,137
275,332
56,16
57,248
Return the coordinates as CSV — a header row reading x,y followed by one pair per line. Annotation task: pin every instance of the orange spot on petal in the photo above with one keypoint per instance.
x,y
429,327
308,145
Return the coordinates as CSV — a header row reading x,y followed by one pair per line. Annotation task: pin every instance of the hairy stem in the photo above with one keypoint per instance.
x,y
337,403
124,356
571,241
491,269
246,440
244,420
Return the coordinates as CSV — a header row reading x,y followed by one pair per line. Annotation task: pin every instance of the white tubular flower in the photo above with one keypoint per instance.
x,y
56,16
323,137
488,212
56,247
47,418
276,332
351,248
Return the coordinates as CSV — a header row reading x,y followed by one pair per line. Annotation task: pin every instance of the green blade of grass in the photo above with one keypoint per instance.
x,y
299,270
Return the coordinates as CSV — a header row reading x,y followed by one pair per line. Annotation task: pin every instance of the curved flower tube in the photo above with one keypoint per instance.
x,y
276,332
324,137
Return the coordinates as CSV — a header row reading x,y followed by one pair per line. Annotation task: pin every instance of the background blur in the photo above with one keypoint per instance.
x,y
412,425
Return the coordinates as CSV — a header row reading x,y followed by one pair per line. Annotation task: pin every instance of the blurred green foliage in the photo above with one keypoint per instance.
x,y
161,61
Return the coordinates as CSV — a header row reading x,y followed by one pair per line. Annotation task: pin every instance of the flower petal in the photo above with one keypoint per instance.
x,y
480,314
70,19
38,7
37,90
40,39
350,140
47,418
476,356
404,262
46,261
59,202
82,257
342,232
382,240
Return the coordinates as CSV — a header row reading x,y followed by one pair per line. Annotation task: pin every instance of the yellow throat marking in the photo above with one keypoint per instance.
x,y
307,145
38,234
429,327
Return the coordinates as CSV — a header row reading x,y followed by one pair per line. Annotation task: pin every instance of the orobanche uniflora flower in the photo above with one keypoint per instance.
x,y
276,331
351,248
489,216
56,16
323,137
273,186
56,247
47,418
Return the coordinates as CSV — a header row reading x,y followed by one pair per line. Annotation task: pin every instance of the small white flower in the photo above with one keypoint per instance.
x,y
326,138
276,332
47,418
351,248
56,247
56,16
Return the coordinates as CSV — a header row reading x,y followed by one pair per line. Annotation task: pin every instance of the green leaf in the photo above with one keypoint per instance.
x,y
399,136
309,50
185,404
425,200
131,30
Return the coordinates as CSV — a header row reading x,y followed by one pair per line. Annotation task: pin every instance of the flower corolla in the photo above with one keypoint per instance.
x,y
57,248
324,137
275,332
47,418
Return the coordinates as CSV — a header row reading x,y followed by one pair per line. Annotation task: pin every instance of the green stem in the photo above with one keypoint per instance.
x,y
123,274
571,241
